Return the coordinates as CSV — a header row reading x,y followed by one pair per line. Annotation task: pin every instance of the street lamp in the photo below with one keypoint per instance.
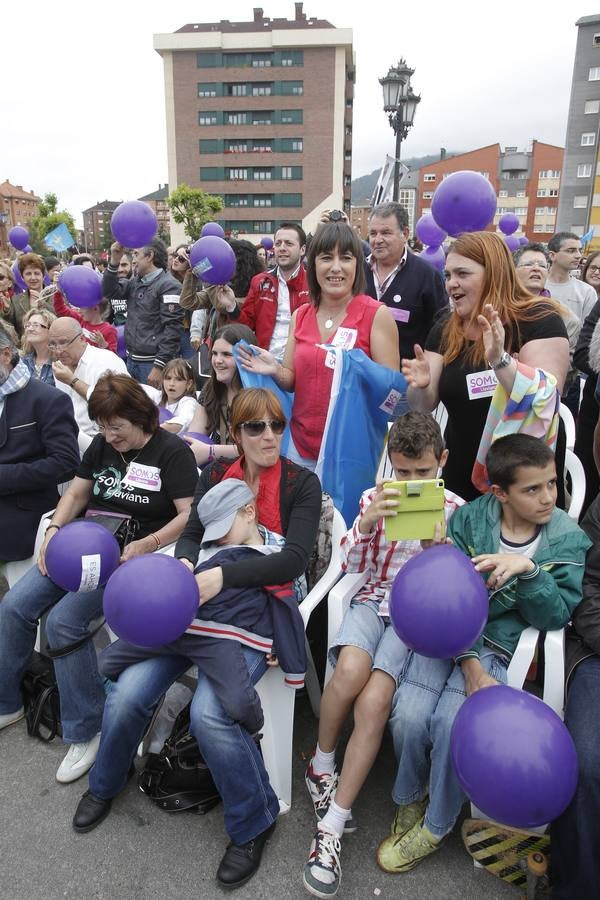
x,y
400,103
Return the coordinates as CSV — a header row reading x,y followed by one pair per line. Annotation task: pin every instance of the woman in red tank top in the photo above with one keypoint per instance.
x,y
340,315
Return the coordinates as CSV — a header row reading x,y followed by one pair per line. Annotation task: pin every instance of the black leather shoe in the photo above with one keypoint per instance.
x,y
242,861
91,810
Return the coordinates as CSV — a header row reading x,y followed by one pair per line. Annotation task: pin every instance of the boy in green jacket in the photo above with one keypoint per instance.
x,y
532,556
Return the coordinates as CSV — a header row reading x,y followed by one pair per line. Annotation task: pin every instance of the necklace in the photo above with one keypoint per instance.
x,y
127,462
329,323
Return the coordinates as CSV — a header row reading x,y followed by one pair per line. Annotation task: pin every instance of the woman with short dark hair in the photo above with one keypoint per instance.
x,y
154,498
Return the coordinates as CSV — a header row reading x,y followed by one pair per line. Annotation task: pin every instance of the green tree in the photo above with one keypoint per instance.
x,y
48,217
193,208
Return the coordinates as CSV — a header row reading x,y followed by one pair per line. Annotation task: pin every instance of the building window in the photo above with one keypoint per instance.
x,y
236,147
237,174
427,195
261,61
262,118
292,87
207,90
262,174
207,118
553,192
521,211
594,73
236,118
596,40
291,116
503,193
549,173
580,201
430,176
292,57
588,139
262,89
521,194
591,107
262,146
297,145
286,172
263,200
584,170
237,90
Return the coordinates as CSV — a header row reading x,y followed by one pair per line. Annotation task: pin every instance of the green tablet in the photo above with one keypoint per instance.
x,y
421,507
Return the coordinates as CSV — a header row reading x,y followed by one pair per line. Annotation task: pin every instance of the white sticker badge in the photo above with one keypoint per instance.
x,y
171,298
345,338
90,572
481,384
145,477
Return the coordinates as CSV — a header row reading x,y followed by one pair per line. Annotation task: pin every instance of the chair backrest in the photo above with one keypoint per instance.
x,y
321,553
569,423
385,469
576,490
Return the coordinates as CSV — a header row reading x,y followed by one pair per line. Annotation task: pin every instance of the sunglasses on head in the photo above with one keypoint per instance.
x,y
181,259
257,427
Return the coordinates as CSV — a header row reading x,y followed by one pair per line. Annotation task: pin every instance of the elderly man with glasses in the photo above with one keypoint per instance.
x,y
77,366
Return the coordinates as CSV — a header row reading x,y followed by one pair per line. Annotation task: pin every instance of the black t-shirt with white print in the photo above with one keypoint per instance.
x,y
145,483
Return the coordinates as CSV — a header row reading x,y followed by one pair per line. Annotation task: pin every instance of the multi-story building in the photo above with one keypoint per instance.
x,y
96,226
526,183
579,207
260,113
17,207
158,201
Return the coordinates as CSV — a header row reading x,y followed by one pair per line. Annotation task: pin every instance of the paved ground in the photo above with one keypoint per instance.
x,y
142,852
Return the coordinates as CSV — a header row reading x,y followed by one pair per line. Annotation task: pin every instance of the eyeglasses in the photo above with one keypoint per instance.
x,y
114,429
181,259
593,269
62,345
532,265
37,325
256,428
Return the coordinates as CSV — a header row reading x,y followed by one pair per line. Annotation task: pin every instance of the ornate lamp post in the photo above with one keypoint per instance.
x,y
400,103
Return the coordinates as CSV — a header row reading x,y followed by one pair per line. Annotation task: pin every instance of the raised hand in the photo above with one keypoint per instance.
x,y
493,334
417,371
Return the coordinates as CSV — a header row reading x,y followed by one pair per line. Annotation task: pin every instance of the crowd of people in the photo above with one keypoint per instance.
x,y
136,408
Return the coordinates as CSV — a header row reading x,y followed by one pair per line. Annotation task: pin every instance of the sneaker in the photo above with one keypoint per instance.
x,y
10,718
79,760
321,789
322,872
401,854
407,816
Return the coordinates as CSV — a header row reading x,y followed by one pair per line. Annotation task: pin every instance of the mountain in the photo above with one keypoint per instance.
x,y
363,187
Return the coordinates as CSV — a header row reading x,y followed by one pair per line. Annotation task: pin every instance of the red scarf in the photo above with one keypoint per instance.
x,y
269,490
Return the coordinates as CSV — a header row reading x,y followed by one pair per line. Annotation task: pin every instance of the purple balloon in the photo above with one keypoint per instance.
x,y
19,283
81,286
267,243
82,556
212,228
133,223
28,248
508,223
19,237
523,240
212,260
121,345
151,599
464,201
435,256
439,603
164,414
429,232
46,280
512,242
513,757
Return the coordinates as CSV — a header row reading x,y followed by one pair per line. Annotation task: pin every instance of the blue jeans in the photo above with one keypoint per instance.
x,y
186,351
250,804
139,370
575,836
430,694
81,692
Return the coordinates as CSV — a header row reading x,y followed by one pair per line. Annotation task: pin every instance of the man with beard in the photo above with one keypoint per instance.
x,y
38,451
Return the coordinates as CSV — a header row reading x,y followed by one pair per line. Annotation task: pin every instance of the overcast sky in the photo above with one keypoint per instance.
x,y
83,102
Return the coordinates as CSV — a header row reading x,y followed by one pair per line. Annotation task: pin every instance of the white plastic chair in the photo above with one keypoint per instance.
x,y
574,468
569,423
278,700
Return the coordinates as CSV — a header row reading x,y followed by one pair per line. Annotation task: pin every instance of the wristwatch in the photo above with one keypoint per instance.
x,y
504,361
76,379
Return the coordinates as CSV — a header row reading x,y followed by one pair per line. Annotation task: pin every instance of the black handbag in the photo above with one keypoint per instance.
x,y
40,698
177,779
124,528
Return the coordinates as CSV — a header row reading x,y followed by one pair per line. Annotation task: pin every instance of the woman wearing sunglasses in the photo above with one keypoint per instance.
x,y
36,354
288,502
341,315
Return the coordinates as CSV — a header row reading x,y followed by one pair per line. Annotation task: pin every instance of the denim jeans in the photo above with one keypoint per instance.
x,y
79,683
139,370
430,694
575,835
250,804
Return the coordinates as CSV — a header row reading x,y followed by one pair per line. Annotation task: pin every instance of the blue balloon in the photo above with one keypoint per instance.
x,y
464,201
81,556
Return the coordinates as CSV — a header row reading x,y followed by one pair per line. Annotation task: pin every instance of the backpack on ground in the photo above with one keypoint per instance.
x,y
177,779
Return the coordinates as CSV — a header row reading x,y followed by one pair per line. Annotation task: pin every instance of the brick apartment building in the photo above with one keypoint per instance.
x,y
158,201
260,113
96,226
17,207
526,183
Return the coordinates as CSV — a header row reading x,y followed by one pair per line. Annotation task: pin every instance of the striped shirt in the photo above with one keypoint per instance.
x,y
382,559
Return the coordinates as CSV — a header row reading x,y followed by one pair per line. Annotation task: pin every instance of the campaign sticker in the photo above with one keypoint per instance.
x,y
171,298
146,477
203,265
345,338
90,572
391,402
400,315
481,384
397,298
